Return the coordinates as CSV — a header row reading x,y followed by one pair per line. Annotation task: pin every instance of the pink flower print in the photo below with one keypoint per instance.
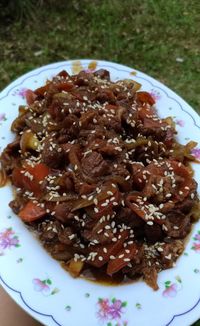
x,y
155,94
111,310
197,237
2,116
104,309
8,239
41,286
89,71
116,309
196,247
22,92
170,290
196,153
180,123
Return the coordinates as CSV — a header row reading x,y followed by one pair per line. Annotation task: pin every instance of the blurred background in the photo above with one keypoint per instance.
x,y
158,37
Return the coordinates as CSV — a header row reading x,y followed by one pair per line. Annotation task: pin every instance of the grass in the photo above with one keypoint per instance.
x,y
148,35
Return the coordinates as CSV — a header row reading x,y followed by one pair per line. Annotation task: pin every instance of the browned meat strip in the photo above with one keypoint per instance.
x,y
94,165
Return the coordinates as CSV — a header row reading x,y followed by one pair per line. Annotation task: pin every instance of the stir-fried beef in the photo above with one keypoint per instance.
x,y
101,178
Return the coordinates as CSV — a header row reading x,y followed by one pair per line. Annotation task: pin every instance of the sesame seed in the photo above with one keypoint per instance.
x,y
104,204
169,256
95,201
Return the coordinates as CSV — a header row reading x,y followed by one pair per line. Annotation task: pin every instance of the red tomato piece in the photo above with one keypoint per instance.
x,y
31,212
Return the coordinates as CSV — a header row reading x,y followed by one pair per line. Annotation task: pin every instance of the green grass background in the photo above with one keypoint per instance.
x,y
149,35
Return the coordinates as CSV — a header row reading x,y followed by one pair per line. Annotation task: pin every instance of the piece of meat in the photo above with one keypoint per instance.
x,y
126,215
105,95
66,182
153,233
103,74
17,204
63,212
52,154
60,251
67,236
150,276
170,252
9,157
94,165
185,206
177,225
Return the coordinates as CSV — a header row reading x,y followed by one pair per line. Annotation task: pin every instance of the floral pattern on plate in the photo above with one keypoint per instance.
x,y
20,92
110,312
2,117
196,153
8,240
40,289
44,286
155,94
172,288
180,122
196,243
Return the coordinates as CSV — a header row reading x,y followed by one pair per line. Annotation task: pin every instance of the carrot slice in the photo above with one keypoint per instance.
x,y
31,212
28,177
123,258
145,97
103,257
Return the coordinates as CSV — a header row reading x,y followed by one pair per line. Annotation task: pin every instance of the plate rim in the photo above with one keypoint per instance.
x,y
6,91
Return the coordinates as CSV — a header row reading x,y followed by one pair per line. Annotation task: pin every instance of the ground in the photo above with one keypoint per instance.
x,y
158,37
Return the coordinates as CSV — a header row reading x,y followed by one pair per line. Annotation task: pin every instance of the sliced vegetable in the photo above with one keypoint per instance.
x,y
187,183
29,140
107,191
3,177
111,250
29,177
75,267
31,212
145,97
123,258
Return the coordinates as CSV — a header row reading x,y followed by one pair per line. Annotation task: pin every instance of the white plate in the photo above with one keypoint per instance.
x,y
38,283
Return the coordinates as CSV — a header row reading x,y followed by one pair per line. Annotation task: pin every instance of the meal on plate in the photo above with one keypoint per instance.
x,y
100,178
